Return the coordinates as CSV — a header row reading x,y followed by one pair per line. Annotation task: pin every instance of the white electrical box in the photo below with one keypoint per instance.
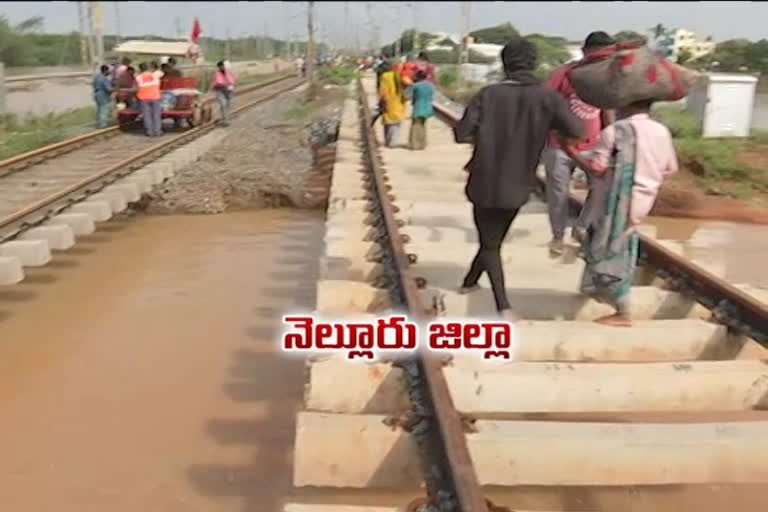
x,y
723,104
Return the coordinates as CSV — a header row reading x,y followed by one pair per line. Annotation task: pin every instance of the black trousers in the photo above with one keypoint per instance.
x,y
492,226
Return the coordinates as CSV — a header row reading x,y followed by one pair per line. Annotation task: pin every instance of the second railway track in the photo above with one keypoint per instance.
x,y
78,176
672,410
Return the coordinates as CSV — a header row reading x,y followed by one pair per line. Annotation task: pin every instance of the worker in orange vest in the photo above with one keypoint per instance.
x,y
148,93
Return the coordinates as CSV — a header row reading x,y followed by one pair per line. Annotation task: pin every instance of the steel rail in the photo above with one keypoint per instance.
x,y
730,305
448,428
73,142
104,177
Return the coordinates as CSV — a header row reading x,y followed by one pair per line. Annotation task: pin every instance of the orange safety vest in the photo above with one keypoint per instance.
x,y
148,86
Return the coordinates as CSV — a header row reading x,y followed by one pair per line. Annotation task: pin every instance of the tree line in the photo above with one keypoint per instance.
x,y
731,55
24,44
552,50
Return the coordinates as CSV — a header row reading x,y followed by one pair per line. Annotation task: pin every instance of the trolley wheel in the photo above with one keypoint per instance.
x,y
196,119
126,122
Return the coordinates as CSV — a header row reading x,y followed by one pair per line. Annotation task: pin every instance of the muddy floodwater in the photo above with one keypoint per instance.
x,y
138,370
740,250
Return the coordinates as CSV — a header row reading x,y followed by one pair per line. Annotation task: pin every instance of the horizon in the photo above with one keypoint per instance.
x,y
338,23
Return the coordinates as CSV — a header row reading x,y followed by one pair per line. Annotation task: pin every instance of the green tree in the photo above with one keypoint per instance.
x,y
552,50
659,30
30,25
683,56
423,39
630,35
756,56
499,34
13,51
730,55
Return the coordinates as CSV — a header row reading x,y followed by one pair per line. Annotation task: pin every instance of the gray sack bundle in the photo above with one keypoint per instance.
x,y
628,72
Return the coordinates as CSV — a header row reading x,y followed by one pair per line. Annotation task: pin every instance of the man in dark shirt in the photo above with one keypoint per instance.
x,y
173,71
508,123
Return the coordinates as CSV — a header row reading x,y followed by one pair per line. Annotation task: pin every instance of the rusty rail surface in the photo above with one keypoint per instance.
x,y
447,429
97,181
729,305
71,143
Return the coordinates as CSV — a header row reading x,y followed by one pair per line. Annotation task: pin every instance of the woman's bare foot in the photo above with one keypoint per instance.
x,y
509,316
469,289
615,320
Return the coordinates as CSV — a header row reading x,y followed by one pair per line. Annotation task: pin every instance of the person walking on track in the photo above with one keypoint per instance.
x,y
422,93
102,90
148,93
508,123
391,103
559,165
638,154
224,86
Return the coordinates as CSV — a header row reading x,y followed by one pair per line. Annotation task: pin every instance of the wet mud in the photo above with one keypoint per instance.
x,y
141,369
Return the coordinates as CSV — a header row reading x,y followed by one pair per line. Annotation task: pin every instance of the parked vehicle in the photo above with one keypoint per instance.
x,y
182,98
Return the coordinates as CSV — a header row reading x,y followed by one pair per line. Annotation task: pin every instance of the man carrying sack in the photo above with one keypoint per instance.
x,y
558,164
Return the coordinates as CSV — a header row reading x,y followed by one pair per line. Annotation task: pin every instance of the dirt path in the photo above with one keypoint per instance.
x,y
138,371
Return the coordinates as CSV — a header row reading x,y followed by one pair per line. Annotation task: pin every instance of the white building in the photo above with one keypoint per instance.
x,y
574,49
678,40
687,40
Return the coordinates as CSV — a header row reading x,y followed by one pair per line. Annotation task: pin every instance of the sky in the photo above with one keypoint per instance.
x,y
573,20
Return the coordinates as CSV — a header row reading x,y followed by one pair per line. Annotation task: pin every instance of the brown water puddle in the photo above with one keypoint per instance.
x,y
741,248
138,371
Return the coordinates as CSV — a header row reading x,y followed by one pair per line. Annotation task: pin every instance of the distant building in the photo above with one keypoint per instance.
x,y
574,49
680,40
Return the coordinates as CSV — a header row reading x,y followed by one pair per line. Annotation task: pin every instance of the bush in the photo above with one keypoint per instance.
x,y
680,122
443,57
338,75
447,77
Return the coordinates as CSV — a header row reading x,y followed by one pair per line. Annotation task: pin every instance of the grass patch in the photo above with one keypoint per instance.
x,y
257,79
448,77
679,121
32,132
298,111
338,75
731,167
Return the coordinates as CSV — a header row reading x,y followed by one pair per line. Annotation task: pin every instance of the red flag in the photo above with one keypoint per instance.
x,y
196,31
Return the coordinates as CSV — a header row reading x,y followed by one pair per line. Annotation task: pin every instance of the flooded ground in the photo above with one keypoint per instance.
x,y
740,250
57,95
138,370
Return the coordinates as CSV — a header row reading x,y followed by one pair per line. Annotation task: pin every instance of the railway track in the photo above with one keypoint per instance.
x,y
53,194
678,400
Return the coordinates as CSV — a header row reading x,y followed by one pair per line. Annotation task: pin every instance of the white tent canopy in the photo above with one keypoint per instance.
x,y
177,48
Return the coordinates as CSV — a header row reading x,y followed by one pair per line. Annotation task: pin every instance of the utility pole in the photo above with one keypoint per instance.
x,y
415,43
267,41
373,41
117,22
91,39
98,30
177,25
466,9
346,27
310,58
84,52
399,33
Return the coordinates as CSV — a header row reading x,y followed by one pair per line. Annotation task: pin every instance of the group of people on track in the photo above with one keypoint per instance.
x,y
145,90
397,82
519,122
